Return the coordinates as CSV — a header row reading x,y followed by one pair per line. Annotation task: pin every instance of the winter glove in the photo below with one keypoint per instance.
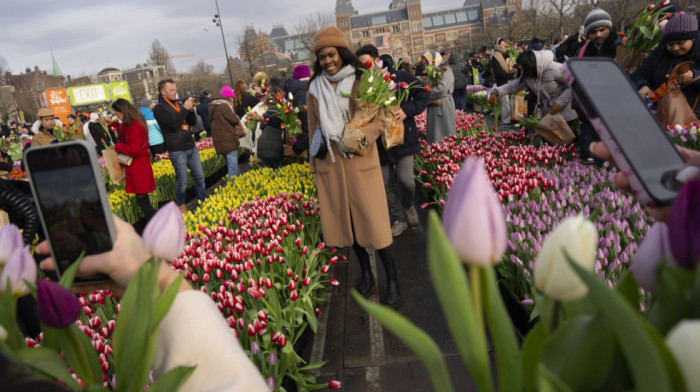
x,y
555,109
354,141
493,99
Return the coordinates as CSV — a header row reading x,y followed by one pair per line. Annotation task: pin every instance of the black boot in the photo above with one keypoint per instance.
x,y
393,292
367,277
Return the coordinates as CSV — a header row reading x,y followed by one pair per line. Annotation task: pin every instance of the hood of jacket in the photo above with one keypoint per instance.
x,y
147,113
543,59
203,98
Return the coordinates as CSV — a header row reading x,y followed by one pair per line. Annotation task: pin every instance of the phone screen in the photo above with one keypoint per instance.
x,y
70,202
605,92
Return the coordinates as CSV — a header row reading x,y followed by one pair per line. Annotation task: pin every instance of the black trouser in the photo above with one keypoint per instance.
x,y
145,203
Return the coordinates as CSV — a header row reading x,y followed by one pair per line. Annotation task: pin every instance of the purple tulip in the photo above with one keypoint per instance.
x,y
254,348
56,307
164,235
653,250
684,225
473,218
20,267
271,383
273,359
10,239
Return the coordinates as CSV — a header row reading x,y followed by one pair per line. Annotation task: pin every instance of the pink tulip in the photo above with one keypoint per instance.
x,y
334,384
271,383
20,267
10,239
164,235
473,218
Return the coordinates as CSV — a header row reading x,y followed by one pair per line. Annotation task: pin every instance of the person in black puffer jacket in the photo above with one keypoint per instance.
x,y
298,86
397,163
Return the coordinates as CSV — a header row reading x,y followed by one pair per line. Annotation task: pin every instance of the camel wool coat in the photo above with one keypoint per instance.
x,y
351,190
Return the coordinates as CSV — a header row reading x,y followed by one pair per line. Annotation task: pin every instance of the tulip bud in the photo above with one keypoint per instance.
x,y
684,343
552,273
306,282
477,234
273,359
10,239
56,307
683,226
254,348
276,336
654,249
164,235
3,334
271,383
20,266
334,384
294,296
334,282
282,341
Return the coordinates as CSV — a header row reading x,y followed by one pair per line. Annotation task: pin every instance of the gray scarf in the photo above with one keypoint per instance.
x,y
333,107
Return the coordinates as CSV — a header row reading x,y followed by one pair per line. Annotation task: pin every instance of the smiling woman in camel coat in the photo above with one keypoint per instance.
x,y
351,190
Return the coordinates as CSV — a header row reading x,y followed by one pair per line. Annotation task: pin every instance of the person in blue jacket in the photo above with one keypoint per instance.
x,y
155,136
203,111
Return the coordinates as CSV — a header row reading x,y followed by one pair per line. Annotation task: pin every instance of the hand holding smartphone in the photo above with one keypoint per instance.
x,y
638,144
71,198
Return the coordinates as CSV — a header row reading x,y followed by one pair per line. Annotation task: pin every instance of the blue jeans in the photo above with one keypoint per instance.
x,y
182,160
232,163
460,98
274,165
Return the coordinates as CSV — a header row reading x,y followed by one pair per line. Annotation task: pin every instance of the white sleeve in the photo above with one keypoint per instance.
x,y
195,333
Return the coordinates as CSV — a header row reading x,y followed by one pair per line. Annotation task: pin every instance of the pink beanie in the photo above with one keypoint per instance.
x,y
227,92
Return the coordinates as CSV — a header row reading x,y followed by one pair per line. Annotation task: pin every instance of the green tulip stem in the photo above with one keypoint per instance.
x,y
476,297
554,315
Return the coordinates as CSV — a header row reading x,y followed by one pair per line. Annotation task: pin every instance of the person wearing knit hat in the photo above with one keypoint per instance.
x,y
679,44
156,143
302,72
596,19
345,161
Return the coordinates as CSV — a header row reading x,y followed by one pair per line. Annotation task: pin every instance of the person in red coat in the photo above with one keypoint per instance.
x,y
133,141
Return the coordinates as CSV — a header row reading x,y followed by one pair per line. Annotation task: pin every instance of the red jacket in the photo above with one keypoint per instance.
x,y
133,141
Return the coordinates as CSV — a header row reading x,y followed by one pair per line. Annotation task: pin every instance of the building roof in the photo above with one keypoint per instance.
x,y
451,18
108,70
485,3
378,18
344,6
278,31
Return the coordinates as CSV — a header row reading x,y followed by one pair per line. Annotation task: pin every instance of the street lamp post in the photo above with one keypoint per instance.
x,y
217,20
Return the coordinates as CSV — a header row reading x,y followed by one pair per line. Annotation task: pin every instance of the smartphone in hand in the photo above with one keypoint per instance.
x,y
640,147
71,198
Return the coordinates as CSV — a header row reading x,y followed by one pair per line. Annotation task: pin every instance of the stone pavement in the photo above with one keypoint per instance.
x,y
366,357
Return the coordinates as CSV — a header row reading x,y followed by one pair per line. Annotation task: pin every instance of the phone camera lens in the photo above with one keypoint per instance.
x,y
668,180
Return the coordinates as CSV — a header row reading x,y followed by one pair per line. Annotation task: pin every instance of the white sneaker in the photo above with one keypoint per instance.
x,y
412,216
398,227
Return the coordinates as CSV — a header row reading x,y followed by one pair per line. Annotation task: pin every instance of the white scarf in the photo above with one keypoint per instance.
x,y
333,107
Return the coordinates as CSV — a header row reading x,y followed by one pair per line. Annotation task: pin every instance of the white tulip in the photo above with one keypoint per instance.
x,y
553,275
291,97
371,79
684,343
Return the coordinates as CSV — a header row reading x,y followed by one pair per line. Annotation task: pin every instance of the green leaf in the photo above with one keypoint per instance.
x,y
68,275
646,32
79,353
313,366
418,341
590,338
531,356
172,380
629,290
503,337
669,301
49,362
643,356
548,381
452,287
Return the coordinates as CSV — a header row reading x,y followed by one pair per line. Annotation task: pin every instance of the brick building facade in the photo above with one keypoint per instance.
x,y
404,30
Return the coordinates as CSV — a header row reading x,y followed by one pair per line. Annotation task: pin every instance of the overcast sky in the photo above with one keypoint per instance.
x,y
87,36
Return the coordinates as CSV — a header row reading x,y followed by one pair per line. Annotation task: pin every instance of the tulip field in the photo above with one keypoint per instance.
x,y
539,186
254,245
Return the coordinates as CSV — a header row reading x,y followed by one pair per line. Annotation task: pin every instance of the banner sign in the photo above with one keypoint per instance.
x,y
120,90
92,93
57,101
